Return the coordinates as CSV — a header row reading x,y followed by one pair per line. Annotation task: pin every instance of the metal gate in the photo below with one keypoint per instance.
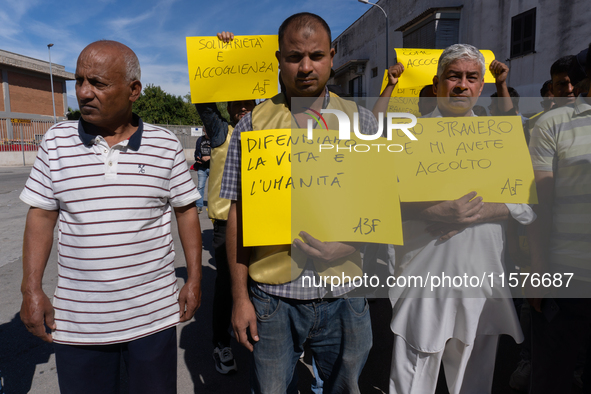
x,y
22,134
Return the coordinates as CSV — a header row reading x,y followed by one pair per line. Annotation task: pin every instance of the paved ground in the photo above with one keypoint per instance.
x,y
28,365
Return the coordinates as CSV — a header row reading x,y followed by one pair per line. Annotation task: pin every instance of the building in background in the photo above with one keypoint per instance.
x,y
26,108
527,35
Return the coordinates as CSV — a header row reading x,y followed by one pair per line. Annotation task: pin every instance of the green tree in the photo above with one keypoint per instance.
x,y
222,107
73,114
156,106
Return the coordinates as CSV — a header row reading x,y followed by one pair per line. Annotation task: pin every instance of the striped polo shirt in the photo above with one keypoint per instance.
x,y
116,280
561,143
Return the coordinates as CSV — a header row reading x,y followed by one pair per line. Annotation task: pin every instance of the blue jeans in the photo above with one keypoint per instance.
x,y
317,384
338,332
202,175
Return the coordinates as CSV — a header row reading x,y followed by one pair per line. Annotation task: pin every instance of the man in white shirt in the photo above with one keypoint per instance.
x,y
113,182
455,326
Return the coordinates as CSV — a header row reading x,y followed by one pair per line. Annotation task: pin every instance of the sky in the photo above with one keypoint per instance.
x,y
154,29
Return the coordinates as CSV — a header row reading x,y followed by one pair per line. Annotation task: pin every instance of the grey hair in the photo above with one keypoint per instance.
x,y
460,51
133,71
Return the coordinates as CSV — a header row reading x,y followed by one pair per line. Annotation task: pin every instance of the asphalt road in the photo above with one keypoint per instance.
x,y
27,364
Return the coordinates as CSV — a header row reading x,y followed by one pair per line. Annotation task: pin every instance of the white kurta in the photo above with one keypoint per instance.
x,y
427,319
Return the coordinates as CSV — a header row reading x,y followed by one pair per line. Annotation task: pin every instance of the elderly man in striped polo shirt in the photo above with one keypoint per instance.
x,y
111,180
560,246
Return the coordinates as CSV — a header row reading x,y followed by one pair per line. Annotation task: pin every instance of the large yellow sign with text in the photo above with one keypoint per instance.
x,y
243,69
334,190
454,156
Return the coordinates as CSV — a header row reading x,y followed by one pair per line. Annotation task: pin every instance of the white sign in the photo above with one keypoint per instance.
x,y
196,131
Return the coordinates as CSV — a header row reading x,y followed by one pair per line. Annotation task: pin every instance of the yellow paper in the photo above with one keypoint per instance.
x,y
454,156
243,69
420,66
292,184
405,100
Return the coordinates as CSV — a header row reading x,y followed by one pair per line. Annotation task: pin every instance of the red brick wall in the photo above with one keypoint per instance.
x,y
32,95
1,94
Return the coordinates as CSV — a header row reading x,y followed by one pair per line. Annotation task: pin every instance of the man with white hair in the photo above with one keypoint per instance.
x,y
113,182
459,326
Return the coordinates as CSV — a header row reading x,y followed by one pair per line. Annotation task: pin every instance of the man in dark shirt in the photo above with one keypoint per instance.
x,y
202,156
219,131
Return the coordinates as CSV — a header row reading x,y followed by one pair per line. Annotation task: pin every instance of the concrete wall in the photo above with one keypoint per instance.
x,y
365,38
562,28
15,159
183,133
190,155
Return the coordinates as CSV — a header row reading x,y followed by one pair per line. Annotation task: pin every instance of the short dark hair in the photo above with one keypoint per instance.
x,y
588,62
583,86
545,88
479,110
301,20
570,65
425,88
512,93
514,97
562,65
228,103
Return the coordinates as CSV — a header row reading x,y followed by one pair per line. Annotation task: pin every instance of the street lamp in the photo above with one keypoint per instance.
x,y
51,80
386,15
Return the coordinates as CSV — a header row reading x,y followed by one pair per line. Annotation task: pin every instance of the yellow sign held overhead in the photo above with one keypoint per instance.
x,y
292,184
454,156
405,100
420,66
242,69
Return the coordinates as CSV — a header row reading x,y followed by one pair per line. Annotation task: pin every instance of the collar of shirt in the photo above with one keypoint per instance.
x,y
437,114
582,105
133,143
326,97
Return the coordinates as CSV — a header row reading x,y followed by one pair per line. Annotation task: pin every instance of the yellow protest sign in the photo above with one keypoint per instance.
x,y
292,184
454,156
420,66
266,187
243,69
405,100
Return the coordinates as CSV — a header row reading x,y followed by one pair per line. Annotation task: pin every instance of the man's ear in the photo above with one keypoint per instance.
x,y
435,83
135,88
278,56
332,53
551,86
